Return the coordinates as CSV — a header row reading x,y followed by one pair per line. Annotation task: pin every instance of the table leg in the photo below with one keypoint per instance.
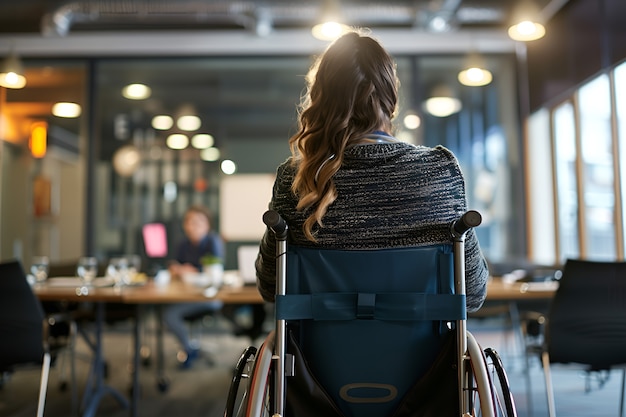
x,y
136,358
162,380
98,389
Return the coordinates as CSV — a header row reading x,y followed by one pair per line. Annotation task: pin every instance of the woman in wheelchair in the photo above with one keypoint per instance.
x,y
350,188
350,184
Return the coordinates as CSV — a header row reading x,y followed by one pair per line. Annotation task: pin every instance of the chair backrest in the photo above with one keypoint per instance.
x,y
370,323
587,317
21,318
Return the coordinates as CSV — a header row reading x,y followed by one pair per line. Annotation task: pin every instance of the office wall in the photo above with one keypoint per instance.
x,y
585,37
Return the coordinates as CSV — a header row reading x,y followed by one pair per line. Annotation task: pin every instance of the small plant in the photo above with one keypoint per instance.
x,y
210,260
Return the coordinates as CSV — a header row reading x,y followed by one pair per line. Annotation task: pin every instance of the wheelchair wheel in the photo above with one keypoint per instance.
x,y
243,370
500,382
259,402
490,395
250,393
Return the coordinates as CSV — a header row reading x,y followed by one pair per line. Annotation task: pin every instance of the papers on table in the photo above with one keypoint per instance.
x,y
76,282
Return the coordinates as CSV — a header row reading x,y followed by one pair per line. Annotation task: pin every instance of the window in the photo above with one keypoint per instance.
x,y
567,194
597,169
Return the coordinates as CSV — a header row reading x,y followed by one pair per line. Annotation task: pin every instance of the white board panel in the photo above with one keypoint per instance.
x,y
243,200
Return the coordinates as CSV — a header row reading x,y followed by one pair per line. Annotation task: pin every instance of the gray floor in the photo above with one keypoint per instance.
x,y
201,391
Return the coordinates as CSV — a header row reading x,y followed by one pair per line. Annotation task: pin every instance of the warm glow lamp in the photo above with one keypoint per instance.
x,y
526,26
442,102
12,72
38,141
475,74
329,27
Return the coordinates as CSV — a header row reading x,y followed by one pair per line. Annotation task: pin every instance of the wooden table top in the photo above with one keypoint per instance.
x,y
499,290
150,293
178,292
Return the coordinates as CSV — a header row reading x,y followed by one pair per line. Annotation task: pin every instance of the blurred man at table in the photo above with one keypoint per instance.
x,y
199,242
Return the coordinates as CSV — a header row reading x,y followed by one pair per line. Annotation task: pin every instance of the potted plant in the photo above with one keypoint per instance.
x,y
213,268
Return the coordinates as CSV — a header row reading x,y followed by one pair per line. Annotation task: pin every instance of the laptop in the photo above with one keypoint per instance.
x,y
246,256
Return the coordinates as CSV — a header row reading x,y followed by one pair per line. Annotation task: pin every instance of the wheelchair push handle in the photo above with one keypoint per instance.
x,y
276,223
468,220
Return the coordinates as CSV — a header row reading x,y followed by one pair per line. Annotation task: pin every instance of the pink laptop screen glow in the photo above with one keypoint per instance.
x,y
155,240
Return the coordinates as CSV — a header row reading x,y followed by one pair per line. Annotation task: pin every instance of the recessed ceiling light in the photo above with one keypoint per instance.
x,y
202,141
66,109
162,122
136,91
189,123
228,167
210,154
177,141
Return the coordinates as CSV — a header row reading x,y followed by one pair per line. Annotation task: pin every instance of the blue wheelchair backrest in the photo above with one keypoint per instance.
x,y
370,323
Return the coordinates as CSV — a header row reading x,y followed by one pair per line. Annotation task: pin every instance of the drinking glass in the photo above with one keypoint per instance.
x,y
87,270
118,270
39,268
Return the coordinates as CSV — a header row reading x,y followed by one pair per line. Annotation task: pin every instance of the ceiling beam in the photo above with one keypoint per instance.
x,y
231,43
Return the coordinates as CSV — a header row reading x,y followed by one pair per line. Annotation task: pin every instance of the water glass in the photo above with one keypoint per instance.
x,y
118,270
87,270
39,268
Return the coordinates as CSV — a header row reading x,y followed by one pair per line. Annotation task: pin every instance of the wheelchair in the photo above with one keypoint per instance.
x,y
369,333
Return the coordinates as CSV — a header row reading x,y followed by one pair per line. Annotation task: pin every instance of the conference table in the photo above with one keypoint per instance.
x,y
145,294
152,294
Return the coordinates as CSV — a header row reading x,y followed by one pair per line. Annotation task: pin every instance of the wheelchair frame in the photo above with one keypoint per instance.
x,y
482,381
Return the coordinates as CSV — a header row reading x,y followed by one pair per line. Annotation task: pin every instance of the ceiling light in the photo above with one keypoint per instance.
x,y
329,31
189,123
12,72
126,160
475,77
412,121
527,31
526,26
210,154
475,74
66,109
136,91
202,141
329,27
228,167
442,102
162,122
177,141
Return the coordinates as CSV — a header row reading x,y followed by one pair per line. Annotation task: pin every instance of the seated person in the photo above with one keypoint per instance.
x,y
199,242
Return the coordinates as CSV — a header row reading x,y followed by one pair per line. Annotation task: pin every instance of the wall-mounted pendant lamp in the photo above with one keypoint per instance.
x,y
12,72
475,73
526,26
38,140
330,26
442,102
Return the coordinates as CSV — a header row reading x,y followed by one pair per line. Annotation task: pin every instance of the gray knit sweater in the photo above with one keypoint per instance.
x,y
388,195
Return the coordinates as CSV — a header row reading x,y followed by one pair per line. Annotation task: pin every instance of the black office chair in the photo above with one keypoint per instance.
x,y
26,332
586,322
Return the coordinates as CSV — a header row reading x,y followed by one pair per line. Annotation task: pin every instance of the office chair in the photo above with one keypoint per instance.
x,y
26,332
586,322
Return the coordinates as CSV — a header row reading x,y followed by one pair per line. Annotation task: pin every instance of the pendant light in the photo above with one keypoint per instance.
x,y
475,73
12,72
526,26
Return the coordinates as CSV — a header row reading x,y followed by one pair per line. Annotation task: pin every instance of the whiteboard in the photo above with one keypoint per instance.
x,y
243,200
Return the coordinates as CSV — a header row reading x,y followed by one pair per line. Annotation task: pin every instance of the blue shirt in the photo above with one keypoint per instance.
x,y
189,253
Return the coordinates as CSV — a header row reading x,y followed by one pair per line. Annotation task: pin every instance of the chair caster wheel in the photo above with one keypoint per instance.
x,y
163,384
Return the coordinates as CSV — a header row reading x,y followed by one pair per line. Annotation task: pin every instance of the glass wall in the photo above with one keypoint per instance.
x,y
42,201
112,169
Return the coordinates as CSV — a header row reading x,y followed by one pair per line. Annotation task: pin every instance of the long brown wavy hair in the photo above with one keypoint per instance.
x,y
352,91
